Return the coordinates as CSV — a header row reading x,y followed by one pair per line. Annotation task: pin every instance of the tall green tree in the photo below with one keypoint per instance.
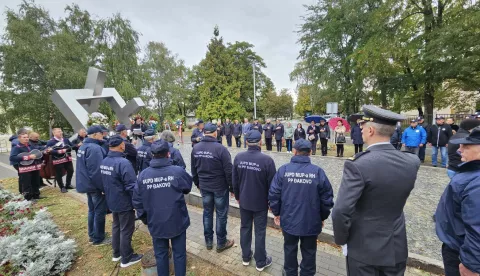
x,y
218,87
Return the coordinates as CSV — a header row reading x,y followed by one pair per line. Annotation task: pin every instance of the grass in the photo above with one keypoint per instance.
x,y
71,217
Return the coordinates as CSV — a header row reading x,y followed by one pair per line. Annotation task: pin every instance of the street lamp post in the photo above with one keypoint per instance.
x,y
254,94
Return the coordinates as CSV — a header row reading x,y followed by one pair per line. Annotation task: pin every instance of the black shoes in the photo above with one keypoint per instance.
x,y
227,245
63,190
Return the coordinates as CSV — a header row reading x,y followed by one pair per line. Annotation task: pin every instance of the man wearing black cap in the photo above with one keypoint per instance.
x,y
253,172
197,133
118,178
457,217
212,173
89,181
130,150
454,158
143,152
160,203
301,198
368,219
438,136
105,138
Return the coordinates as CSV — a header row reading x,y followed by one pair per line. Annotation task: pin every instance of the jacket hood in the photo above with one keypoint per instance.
x,y
13,137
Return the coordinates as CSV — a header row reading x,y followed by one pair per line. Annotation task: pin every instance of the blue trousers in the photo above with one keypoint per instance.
x,y
248,218
179,253
219,201
97,210
308,247
444,154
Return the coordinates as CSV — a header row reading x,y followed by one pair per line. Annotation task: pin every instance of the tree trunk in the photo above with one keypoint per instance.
x,y
429,93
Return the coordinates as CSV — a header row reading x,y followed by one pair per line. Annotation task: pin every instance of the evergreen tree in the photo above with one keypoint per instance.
x,y
218,89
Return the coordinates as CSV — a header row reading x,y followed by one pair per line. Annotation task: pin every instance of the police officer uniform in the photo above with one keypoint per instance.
x,y
197,134
89,181
368,215
130,150
143,152
118,178
212,173
457,216
253,172
160,203
301,197
28,175
62,160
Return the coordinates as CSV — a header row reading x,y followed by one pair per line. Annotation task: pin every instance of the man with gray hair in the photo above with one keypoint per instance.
x,y
368,219
175,154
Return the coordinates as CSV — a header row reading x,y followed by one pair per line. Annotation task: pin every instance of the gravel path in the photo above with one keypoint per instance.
x,y
419,209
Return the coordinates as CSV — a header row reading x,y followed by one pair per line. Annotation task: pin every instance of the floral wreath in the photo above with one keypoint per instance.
x,y
97,118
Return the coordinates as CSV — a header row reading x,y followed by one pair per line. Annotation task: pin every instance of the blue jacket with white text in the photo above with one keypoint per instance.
x,y
89,158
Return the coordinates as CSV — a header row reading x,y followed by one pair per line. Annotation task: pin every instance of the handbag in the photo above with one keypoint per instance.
x,y
341,139
311,137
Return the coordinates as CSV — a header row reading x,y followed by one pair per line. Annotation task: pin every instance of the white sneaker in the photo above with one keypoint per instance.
x,y
116,259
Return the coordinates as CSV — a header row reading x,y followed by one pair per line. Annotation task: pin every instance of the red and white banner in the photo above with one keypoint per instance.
x,y
31,168
63,160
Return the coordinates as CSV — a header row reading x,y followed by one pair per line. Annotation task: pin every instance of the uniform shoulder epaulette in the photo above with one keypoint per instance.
x,y
356,156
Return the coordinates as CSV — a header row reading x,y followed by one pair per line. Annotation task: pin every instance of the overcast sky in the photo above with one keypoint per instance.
x,y
186,26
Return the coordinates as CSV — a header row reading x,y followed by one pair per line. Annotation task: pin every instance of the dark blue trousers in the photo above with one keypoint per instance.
x,y
97,210
308,248
179,253
260,220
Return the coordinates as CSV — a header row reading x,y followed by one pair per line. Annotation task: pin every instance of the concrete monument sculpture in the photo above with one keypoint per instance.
x,y
76,104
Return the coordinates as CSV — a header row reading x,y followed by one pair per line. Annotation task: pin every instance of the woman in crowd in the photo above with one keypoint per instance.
x,y
299,133
356,135
289,136
340,137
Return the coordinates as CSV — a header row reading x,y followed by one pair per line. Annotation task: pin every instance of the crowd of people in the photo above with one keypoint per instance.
x,y
149,182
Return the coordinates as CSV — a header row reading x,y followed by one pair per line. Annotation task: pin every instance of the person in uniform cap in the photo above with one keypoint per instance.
x,y
368,219
253,172
130,150
455,159
89,181
160,203
175,155
62,159
105,139
457,217
118,178
143,152
197,133
212,173
301,198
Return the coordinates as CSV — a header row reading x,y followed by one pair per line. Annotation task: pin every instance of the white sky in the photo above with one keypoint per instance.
x,y
187,26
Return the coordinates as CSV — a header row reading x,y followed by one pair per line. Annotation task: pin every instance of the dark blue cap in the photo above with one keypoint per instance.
x,y
120,127
115,140
94,129
200,122
253,136
149,132
104,129
210,128
159,147
302,145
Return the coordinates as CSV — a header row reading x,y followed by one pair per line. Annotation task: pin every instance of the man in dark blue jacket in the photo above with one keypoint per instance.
x,y
175,154
237,133
212,173
130,150
89,181
228,131
312,135
268,130
143,152
256,125
160,203
118,178
253,172
105,138
457,216
14,142
28,175
301,198
279,132
356,135
61,158
197,134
